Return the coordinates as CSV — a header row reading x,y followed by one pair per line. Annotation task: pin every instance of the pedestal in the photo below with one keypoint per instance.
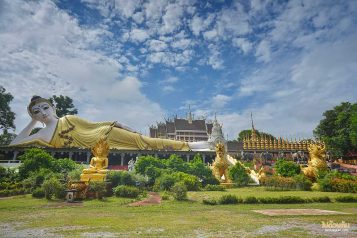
x,y
93,177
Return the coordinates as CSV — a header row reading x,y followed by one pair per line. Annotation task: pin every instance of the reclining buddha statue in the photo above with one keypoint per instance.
x,y
73,131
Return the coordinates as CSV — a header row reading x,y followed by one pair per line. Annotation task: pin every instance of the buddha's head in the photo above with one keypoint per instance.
x,y
101,148
41,109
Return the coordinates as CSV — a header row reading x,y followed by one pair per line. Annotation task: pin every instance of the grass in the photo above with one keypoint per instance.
x,y
261,192
172,218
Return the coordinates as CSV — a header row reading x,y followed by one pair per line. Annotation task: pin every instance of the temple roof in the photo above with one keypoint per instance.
x,y
170,127
209,128
183,124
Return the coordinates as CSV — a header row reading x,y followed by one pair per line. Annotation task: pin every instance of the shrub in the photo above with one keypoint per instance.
x,y
33,160
153,173
209,201
239,175
290,200
346,199
38,193
325,184
179,191
75,175
286,168
267,200
120,178
336,182
144,162
51,187
165,182
251,200
302,183
165,195
191,182
3,172
36,178
98,187
229,199
212,187
126,179
202,171
175,163
4,193
323,199
64,165
211,179
278,183
343,185
126,191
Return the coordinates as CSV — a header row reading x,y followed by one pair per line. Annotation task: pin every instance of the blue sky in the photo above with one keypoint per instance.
x,y
139,62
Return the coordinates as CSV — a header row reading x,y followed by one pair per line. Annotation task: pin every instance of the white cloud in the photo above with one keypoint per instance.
x,y
214,58
220,100
154,9
139,35
296,92
243,44
263,52
198,24
210,35
127,8
157,45
170,80
172,18
168,89
47,52
138,17
172,59
181,44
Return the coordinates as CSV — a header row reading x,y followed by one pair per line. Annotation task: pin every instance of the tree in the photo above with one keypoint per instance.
x,y
239,175
176,164
33,160
6,137
64,105
286,168
7,117
247,134
338,129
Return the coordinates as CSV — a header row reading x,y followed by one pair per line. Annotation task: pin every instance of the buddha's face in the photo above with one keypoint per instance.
x,y
43,112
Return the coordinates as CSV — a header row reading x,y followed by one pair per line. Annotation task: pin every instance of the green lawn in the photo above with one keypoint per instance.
x,y
25,216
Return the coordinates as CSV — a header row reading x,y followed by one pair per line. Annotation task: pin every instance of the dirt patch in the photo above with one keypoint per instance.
x,y
154,198
289,212
314,229
16,230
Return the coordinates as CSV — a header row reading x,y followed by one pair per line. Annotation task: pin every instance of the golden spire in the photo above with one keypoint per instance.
x,y
190,115
254,135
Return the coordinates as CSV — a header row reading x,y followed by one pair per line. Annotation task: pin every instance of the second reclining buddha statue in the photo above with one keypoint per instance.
x,y
73,131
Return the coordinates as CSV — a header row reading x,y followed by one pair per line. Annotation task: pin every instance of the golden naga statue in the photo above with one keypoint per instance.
x,y
317,160
221,164
99,163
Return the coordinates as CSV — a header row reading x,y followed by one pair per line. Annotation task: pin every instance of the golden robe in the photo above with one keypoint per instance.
x,y
73,131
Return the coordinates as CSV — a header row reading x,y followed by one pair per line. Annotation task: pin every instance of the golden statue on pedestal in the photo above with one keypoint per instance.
x,y
99,163
317,160
221,164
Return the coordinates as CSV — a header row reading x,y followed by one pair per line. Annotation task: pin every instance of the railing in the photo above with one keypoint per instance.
x,y
10,161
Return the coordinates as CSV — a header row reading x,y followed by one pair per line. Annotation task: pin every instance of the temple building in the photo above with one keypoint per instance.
x,y
183,129
269,148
